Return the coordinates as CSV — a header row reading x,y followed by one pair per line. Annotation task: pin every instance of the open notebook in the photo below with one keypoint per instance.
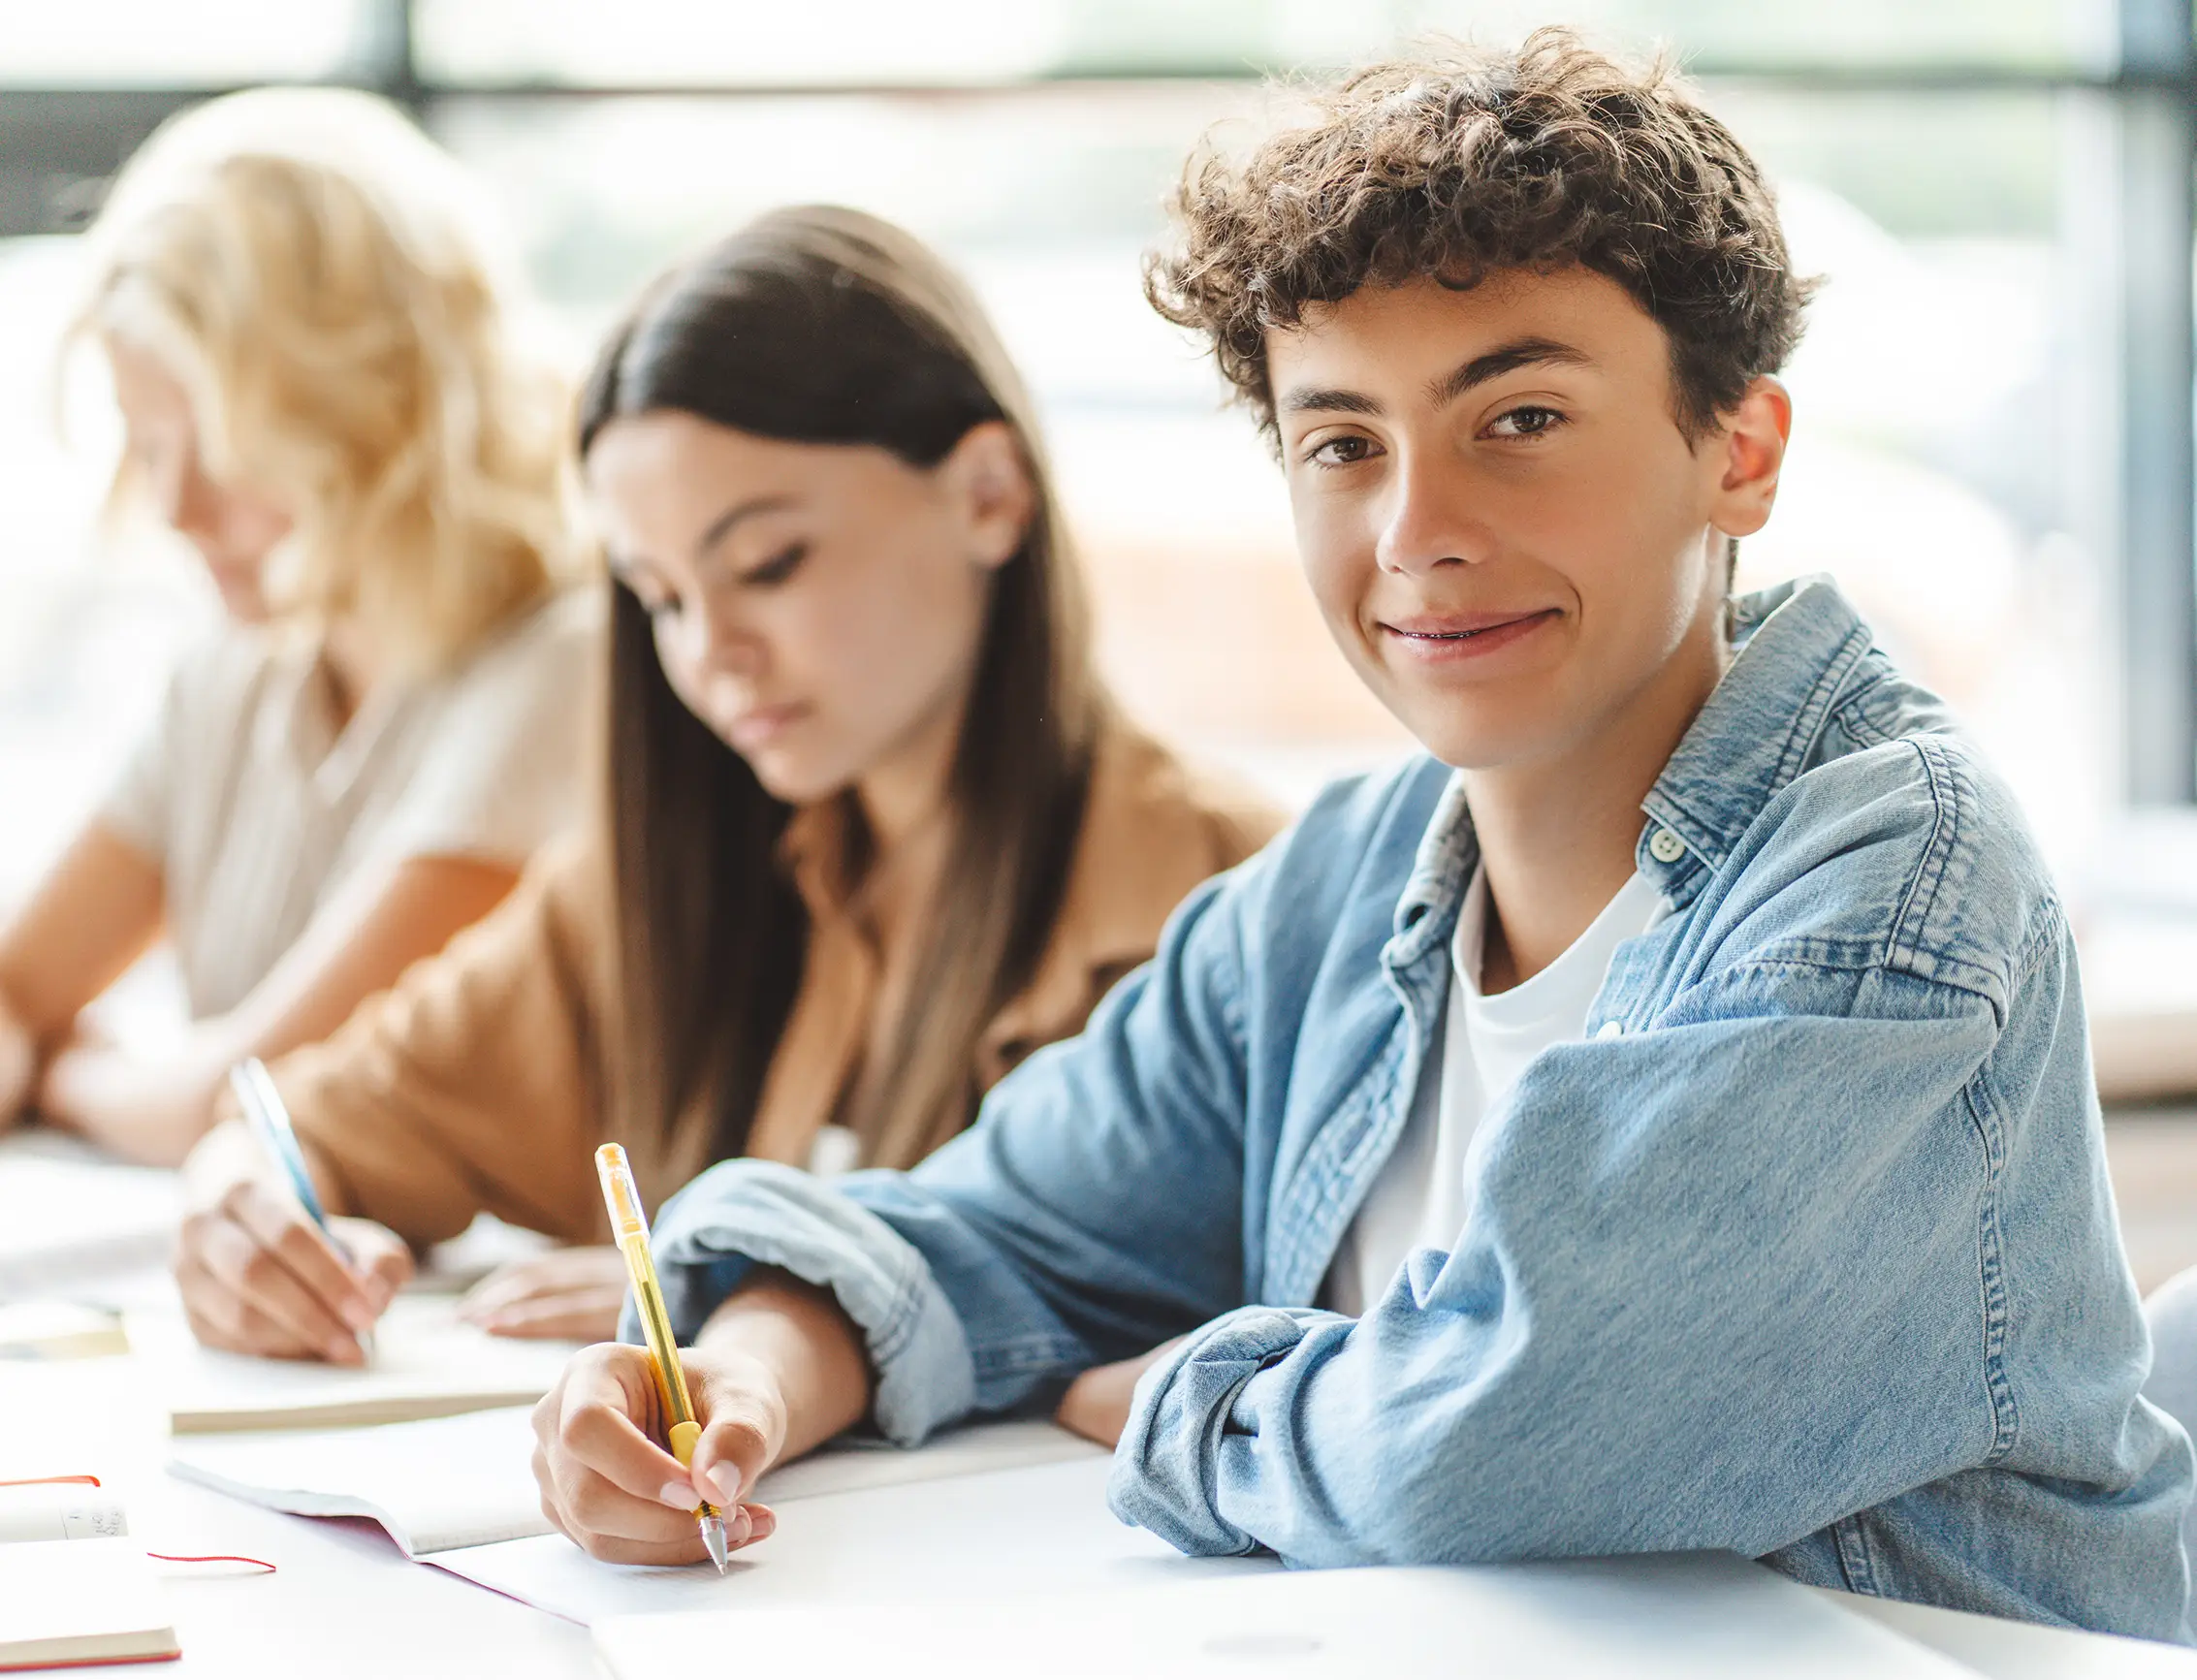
x,y
447,1483
427,1363
73,1588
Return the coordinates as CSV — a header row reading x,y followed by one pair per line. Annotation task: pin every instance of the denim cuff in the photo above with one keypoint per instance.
x,y
1166,1469
744,1214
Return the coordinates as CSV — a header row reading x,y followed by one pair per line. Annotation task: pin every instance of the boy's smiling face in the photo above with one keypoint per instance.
x,y
1511,537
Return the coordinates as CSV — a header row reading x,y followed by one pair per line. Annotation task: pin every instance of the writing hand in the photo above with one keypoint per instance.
x,y
567,1294
606,1483
258,1277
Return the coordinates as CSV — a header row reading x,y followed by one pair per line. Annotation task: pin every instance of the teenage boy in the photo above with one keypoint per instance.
x,y
1659,1117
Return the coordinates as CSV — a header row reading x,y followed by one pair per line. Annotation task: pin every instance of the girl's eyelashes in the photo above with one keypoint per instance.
x,y
659,602
778,568
1527,420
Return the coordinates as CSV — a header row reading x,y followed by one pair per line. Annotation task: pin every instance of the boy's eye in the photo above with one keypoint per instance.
x,y
1345,451
779,567
1528,419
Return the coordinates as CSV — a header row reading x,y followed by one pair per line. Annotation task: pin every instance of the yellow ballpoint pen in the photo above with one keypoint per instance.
x,y
629,1227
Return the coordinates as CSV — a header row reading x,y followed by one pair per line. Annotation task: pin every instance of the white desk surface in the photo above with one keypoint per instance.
x,y
2018,1651
347,1597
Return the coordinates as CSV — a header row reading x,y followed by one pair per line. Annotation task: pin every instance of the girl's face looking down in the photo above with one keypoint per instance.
x,y
233,528
819,606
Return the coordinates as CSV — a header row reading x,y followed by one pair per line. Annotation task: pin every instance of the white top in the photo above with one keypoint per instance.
x,y
259,808
1422,1197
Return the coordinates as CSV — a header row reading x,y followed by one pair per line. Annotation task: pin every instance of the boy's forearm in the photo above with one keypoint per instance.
x,y
810,1345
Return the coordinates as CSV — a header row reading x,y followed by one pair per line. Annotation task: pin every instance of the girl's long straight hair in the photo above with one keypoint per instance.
x,y
825,326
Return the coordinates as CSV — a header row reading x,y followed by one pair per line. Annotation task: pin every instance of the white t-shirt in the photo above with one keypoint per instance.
x,y
1420,1200
259,808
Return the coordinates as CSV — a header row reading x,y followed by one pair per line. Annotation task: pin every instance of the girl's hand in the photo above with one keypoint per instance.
x,y
567,1294
19,1067
257,1276
607,1484
1097,1404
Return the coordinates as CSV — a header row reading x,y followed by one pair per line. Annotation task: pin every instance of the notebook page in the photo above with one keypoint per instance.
x,y
79,1602
59,1511
1034,1529
463,1481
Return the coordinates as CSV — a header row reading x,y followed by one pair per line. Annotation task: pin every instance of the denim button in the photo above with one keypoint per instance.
x,y
1664,846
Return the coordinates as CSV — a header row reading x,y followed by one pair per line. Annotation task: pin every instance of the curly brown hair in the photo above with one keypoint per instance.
x,y
1460,163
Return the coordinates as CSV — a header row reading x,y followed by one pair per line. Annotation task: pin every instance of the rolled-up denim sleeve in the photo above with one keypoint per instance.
x,y
745,1214
1032,1247
1720,1284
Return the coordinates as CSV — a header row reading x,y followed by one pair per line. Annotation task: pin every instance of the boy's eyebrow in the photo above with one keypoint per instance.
x,y
1329,399
1527,352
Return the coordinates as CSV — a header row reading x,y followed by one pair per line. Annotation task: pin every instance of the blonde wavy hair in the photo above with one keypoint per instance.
x,y
310,267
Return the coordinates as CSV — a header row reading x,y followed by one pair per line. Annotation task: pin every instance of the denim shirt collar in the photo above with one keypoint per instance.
x,y
1796,646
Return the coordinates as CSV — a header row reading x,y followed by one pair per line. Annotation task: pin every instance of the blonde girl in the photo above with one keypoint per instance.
x,y
326,393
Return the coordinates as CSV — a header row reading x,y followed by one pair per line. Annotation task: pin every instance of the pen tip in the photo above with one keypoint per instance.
x,y
712,1538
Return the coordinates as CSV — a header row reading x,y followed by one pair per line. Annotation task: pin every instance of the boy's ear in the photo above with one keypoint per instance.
x,y
1750,447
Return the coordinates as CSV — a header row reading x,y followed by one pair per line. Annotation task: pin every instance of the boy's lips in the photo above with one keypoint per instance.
x,y
1447,636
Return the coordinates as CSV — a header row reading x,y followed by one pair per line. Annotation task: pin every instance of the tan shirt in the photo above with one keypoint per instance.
x,y
260,805
477,1085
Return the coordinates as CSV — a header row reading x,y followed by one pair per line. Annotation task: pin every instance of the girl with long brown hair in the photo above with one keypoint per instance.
x,y
871,832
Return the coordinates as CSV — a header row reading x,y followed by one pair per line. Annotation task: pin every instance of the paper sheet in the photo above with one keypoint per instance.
x,y
450,1482
468,1480
1038,1528
1701,1617
427,1363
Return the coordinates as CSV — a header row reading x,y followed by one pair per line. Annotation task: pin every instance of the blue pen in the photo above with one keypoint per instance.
x,y
269,1120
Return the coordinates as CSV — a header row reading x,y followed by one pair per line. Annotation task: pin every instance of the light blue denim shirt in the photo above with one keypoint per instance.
x,y
1805,1250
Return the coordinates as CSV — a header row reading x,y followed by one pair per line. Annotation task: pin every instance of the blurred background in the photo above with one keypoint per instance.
x,y
1993,448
